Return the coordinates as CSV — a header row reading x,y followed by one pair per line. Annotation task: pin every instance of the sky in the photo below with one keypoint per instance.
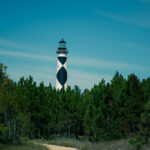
x,y
103,36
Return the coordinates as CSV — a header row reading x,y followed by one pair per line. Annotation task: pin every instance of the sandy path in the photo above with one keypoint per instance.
x,y
54,147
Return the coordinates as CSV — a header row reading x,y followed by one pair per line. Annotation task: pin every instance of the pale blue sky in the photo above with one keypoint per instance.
x,y
102,36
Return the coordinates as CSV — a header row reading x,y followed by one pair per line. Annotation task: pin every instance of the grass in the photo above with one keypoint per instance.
x,y
80,144
86,145
27,146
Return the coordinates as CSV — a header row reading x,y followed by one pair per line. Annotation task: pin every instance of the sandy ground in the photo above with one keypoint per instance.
x,y
54,147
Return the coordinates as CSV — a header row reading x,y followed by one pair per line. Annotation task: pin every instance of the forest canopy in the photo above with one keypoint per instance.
x,y
108,111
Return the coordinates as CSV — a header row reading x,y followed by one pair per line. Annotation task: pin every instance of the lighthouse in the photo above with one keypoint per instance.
x,y
61,74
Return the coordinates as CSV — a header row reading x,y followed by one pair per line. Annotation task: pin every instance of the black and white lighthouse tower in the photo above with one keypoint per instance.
x,y
61,75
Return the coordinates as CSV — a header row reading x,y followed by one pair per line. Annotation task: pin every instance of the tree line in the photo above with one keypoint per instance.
x,y
108,111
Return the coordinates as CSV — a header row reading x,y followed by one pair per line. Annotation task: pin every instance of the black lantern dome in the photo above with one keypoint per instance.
x,y
62,47
62,41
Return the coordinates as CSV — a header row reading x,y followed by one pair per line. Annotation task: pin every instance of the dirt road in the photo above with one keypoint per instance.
x,y
54,147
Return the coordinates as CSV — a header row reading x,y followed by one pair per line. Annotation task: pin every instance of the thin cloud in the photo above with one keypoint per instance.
x,y
27,55
78,61
75,77
7,43
37,77
86,79
141,20
14,45
10,44
89,62
136,46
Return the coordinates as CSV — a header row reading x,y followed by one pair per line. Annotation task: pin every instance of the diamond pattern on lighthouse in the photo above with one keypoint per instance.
x,y
62,60
61,75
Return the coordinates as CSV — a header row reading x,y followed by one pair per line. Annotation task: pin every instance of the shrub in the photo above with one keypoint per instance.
x,y
51,137
1,147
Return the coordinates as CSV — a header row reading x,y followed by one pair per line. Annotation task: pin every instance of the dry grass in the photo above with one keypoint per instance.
x,y
86,145
82,145
27,146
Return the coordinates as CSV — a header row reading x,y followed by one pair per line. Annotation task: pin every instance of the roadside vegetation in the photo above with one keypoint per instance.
x,y
25,146
107,112
122,144
87,145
